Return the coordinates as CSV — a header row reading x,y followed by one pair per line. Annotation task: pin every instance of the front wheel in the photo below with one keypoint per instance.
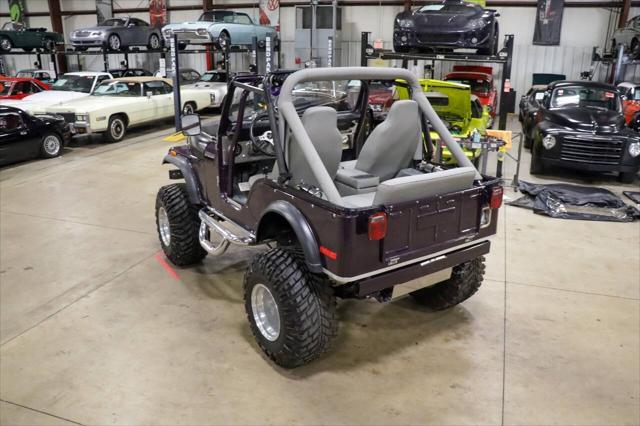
x,y
117,129
51,145
627,177
5,44
292,312
224,41
178,225
114,43
465,281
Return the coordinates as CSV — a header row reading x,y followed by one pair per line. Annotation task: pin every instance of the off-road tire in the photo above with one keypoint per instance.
x,y
111,135
306,306
184,248
627,177
465,280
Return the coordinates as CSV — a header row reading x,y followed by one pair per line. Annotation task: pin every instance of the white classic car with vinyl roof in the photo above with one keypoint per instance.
x,y
117,104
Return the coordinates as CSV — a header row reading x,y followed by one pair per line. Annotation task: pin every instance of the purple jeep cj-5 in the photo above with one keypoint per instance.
x,y
347,210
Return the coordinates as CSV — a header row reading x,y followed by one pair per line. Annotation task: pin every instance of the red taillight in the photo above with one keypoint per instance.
x,y
328,253
496,197
377,226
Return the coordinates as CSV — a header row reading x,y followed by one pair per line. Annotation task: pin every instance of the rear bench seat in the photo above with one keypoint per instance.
x,y
415,187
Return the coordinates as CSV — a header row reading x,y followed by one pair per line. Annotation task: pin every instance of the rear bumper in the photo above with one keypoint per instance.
x,y
421,268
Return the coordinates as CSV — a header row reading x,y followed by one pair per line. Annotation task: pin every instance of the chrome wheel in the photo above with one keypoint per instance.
x,y
224,41
187,109
117,129
5,44
154,42
51,145
114,42
265,312
164,227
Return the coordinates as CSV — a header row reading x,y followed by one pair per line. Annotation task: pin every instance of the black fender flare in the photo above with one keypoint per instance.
x,y
193,189
304,234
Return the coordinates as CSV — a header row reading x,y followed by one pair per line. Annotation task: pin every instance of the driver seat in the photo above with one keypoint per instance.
x,y
321,124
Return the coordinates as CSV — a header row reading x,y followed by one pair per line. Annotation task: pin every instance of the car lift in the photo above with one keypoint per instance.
x,y
504,58
617,60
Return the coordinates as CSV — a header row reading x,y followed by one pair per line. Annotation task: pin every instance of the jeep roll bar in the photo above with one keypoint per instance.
x,y
290,115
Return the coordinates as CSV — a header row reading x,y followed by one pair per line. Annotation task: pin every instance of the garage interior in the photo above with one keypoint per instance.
x,y
97,326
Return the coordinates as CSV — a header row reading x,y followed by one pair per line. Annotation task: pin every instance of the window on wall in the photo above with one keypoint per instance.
x,y
324,18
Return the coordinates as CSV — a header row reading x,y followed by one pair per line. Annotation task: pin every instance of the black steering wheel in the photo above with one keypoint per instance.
x,y
264,142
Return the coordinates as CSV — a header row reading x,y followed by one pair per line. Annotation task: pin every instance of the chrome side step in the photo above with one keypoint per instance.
x,y
227,230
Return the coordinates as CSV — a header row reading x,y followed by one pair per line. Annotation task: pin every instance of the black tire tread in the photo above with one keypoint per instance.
x,y
307,301
185,248
465,281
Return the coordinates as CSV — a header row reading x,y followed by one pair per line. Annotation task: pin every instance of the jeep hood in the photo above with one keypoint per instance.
x,y
584,118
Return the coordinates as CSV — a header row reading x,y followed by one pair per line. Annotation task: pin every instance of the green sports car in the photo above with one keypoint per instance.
x,y
16,35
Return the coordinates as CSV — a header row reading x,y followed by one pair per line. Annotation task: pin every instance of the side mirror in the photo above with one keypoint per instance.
x,y
190,124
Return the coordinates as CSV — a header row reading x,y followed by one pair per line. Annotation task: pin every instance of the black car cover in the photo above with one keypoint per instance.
x,y
566,201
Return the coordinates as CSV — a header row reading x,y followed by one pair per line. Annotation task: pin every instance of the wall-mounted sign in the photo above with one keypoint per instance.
x,y
158,13
16,10
548,22
270,13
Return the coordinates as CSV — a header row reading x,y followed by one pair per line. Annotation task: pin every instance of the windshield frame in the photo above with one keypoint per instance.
x,y
558,91
70,78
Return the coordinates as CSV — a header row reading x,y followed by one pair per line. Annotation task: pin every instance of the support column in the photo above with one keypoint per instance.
x,y
56,26
624,13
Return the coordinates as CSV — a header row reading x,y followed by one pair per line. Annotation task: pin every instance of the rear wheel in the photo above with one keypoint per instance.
x,y
465,280
154,42
117,129
188,108
292,312
178,225
49,45
5,44
51,145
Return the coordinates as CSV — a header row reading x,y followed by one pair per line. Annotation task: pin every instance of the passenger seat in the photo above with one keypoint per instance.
x,y
389,149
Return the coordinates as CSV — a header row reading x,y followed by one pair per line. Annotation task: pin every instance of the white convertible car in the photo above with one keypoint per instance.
x,y
215,83
69,86
115,105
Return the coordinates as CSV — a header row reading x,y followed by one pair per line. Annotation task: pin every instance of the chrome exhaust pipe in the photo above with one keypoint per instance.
x,y
212,225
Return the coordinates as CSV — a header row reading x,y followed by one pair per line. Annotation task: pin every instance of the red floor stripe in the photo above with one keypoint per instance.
x,y
162,261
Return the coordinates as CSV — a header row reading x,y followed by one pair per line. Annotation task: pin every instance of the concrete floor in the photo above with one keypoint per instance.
x,y
94,330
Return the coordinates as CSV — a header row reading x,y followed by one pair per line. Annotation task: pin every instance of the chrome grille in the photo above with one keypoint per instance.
x,y
69,117
596,150
82,33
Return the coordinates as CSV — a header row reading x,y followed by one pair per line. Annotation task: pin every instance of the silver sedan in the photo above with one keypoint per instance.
x,y
118,34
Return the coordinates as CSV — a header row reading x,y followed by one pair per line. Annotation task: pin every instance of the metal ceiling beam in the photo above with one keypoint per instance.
x,y
56,26
209,3
624,13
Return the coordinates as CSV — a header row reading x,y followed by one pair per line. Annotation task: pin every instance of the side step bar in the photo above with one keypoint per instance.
x,y
225,229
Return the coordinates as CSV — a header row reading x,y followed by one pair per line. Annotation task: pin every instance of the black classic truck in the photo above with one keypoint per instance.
x,y
580,125
342,218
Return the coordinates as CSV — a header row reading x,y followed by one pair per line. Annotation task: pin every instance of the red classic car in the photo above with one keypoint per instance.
x,y
18,88
380,98
481,81
631,99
